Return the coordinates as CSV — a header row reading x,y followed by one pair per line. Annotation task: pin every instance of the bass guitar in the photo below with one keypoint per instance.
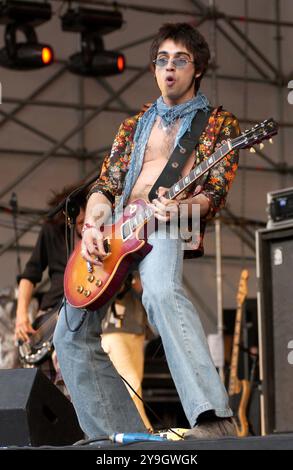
x,y
40,344
239,390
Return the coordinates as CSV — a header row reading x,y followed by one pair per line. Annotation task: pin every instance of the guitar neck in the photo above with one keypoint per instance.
x,y
258,133
36,337
199,171
235,351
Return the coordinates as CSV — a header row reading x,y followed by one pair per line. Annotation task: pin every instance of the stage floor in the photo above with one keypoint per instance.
x,y
271,442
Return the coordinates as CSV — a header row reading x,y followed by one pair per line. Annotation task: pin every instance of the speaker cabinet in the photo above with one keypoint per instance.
x,y
34,412
275,326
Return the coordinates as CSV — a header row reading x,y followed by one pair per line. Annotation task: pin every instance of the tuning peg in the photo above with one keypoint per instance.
x,y
271,141
261,146
252,150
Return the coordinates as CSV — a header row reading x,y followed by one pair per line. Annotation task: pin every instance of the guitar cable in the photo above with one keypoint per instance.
x,y
150,409
124,380
84,442
73,330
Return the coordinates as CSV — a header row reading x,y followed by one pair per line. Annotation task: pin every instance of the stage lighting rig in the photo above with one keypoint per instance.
x,y
93,60
24,17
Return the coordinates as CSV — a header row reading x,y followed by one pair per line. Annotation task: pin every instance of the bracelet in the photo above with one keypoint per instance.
x,y
86,227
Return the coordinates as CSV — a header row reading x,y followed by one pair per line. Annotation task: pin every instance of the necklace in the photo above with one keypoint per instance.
x,y
163,126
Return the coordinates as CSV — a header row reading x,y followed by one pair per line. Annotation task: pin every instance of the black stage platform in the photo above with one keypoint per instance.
x,y
271,442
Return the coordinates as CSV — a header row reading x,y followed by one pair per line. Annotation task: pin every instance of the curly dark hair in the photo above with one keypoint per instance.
x,y
57,197
191,38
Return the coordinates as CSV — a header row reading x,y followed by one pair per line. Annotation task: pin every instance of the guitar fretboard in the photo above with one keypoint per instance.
x,y
197,172
136,221
37,337
235,351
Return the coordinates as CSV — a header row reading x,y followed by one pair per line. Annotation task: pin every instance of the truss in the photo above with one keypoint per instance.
x,y
224,24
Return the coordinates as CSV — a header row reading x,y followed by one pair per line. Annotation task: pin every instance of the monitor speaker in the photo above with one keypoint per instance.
x,y
33,412
275,326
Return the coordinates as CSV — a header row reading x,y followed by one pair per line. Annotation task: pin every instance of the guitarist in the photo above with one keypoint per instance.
x,y
49,252
141,149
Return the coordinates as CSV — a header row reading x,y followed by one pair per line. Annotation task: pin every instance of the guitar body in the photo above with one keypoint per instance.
x,y
239,402
85,289
40,344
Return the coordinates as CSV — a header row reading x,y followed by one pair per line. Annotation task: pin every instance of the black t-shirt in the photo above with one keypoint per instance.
x,y
50,251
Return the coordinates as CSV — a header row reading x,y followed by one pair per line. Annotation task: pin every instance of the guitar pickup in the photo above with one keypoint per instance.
x,y
107,246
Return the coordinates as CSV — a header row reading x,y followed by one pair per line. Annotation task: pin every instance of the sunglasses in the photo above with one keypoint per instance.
x,y
178,62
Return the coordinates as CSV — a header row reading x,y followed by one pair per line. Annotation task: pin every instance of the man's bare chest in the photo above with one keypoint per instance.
x,y
160,144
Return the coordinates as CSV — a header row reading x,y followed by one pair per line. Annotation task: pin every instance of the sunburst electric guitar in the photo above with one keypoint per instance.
x,y
89,286
239,390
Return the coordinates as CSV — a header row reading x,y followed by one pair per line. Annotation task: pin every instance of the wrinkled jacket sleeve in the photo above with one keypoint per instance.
x,y
38,261
221,176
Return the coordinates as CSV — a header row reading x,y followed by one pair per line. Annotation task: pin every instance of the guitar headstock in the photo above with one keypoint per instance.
x,y
242,288
262,131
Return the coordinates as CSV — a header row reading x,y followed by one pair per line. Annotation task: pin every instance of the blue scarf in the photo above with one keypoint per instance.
x,y
169,115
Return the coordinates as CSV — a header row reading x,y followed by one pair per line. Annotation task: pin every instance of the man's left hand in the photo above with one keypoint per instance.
x,y
164,209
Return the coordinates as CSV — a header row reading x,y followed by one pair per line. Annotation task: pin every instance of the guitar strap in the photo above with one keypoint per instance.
x,y
173,168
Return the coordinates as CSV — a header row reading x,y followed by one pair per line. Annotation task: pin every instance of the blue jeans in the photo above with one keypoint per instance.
x,y
101,400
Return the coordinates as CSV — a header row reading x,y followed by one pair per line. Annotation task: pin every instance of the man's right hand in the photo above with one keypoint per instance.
x,y
92,246
23,328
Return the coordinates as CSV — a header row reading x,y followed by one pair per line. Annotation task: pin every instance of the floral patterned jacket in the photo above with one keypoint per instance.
x,y
221,126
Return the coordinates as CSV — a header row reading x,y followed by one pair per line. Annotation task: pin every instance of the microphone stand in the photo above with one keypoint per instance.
x,y
14,206
71,210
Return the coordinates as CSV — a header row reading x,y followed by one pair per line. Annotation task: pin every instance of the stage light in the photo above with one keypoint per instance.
x,y
93,60
23,17
121,63
102,63
47,55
